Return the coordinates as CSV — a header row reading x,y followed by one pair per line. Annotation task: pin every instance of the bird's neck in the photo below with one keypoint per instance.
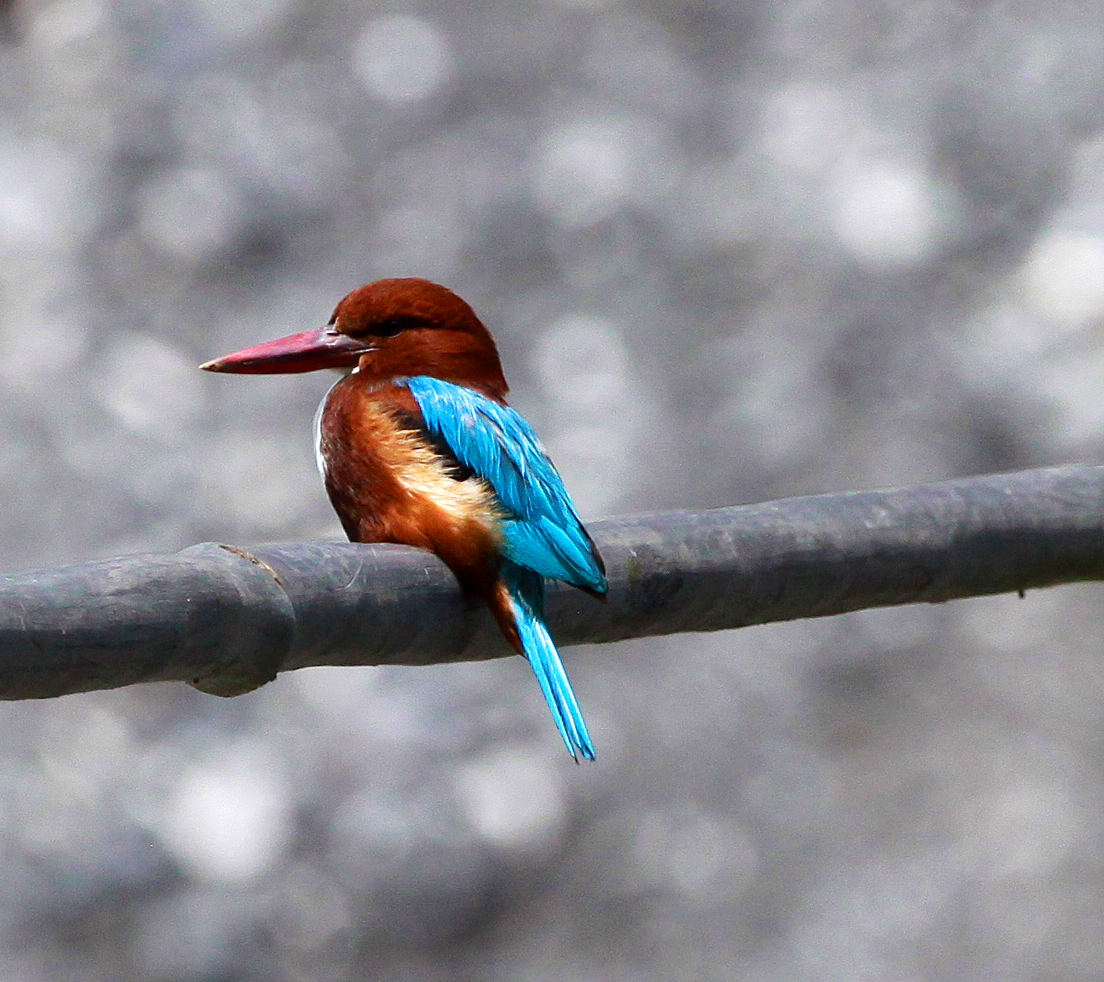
x,y
472,368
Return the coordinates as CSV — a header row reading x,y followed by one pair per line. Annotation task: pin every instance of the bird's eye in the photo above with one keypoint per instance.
x,y
394,325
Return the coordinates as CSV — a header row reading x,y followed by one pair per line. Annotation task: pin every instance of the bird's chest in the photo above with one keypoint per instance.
x,y
388,483
363,455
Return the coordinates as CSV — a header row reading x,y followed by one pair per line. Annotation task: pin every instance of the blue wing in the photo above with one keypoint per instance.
x,y
541,530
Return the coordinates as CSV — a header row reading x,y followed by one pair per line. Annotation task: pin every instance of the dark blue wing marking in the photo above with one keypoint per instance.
x,y
413,422
541,529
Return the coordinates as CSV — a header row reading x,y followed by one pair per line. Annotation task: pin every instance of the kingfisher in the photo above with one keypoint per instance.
x,y
417,445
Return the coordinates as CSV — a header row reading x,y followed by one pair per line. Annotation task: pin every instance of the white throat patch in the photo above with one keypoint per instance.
x,y
319,460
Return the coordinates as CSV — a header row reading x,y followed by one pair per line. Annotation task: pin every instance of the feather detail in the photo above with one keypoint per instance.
x,y
541,533
526,591
541,529
388,484
316,429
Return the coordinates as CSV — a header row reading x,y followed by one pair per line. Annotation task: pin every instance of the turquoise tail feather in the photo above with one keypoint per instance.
x,y
527,597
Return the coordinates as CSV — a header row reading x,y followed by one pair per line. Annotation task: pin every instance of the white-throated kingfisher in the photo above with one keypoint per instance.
x,y
418,446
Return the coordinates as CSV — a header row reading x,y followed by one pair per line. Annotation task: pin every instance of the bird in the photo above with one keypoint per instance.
x,y
418,446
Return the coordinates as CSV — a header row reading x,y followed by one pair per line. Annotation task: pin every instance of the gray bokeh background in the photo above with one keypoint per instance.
x,y
731,251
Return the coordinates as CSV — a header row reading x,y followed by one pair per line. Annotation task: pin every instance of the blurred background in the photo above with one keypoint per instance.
x,y
731,251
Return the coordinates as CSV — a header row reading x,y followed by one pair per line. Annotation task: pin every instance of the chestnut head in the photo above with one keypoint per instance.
x,y
387,329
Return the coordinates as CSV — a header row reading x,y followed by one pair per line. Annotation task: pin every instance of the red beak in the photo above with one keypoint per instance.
x,y
304,352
